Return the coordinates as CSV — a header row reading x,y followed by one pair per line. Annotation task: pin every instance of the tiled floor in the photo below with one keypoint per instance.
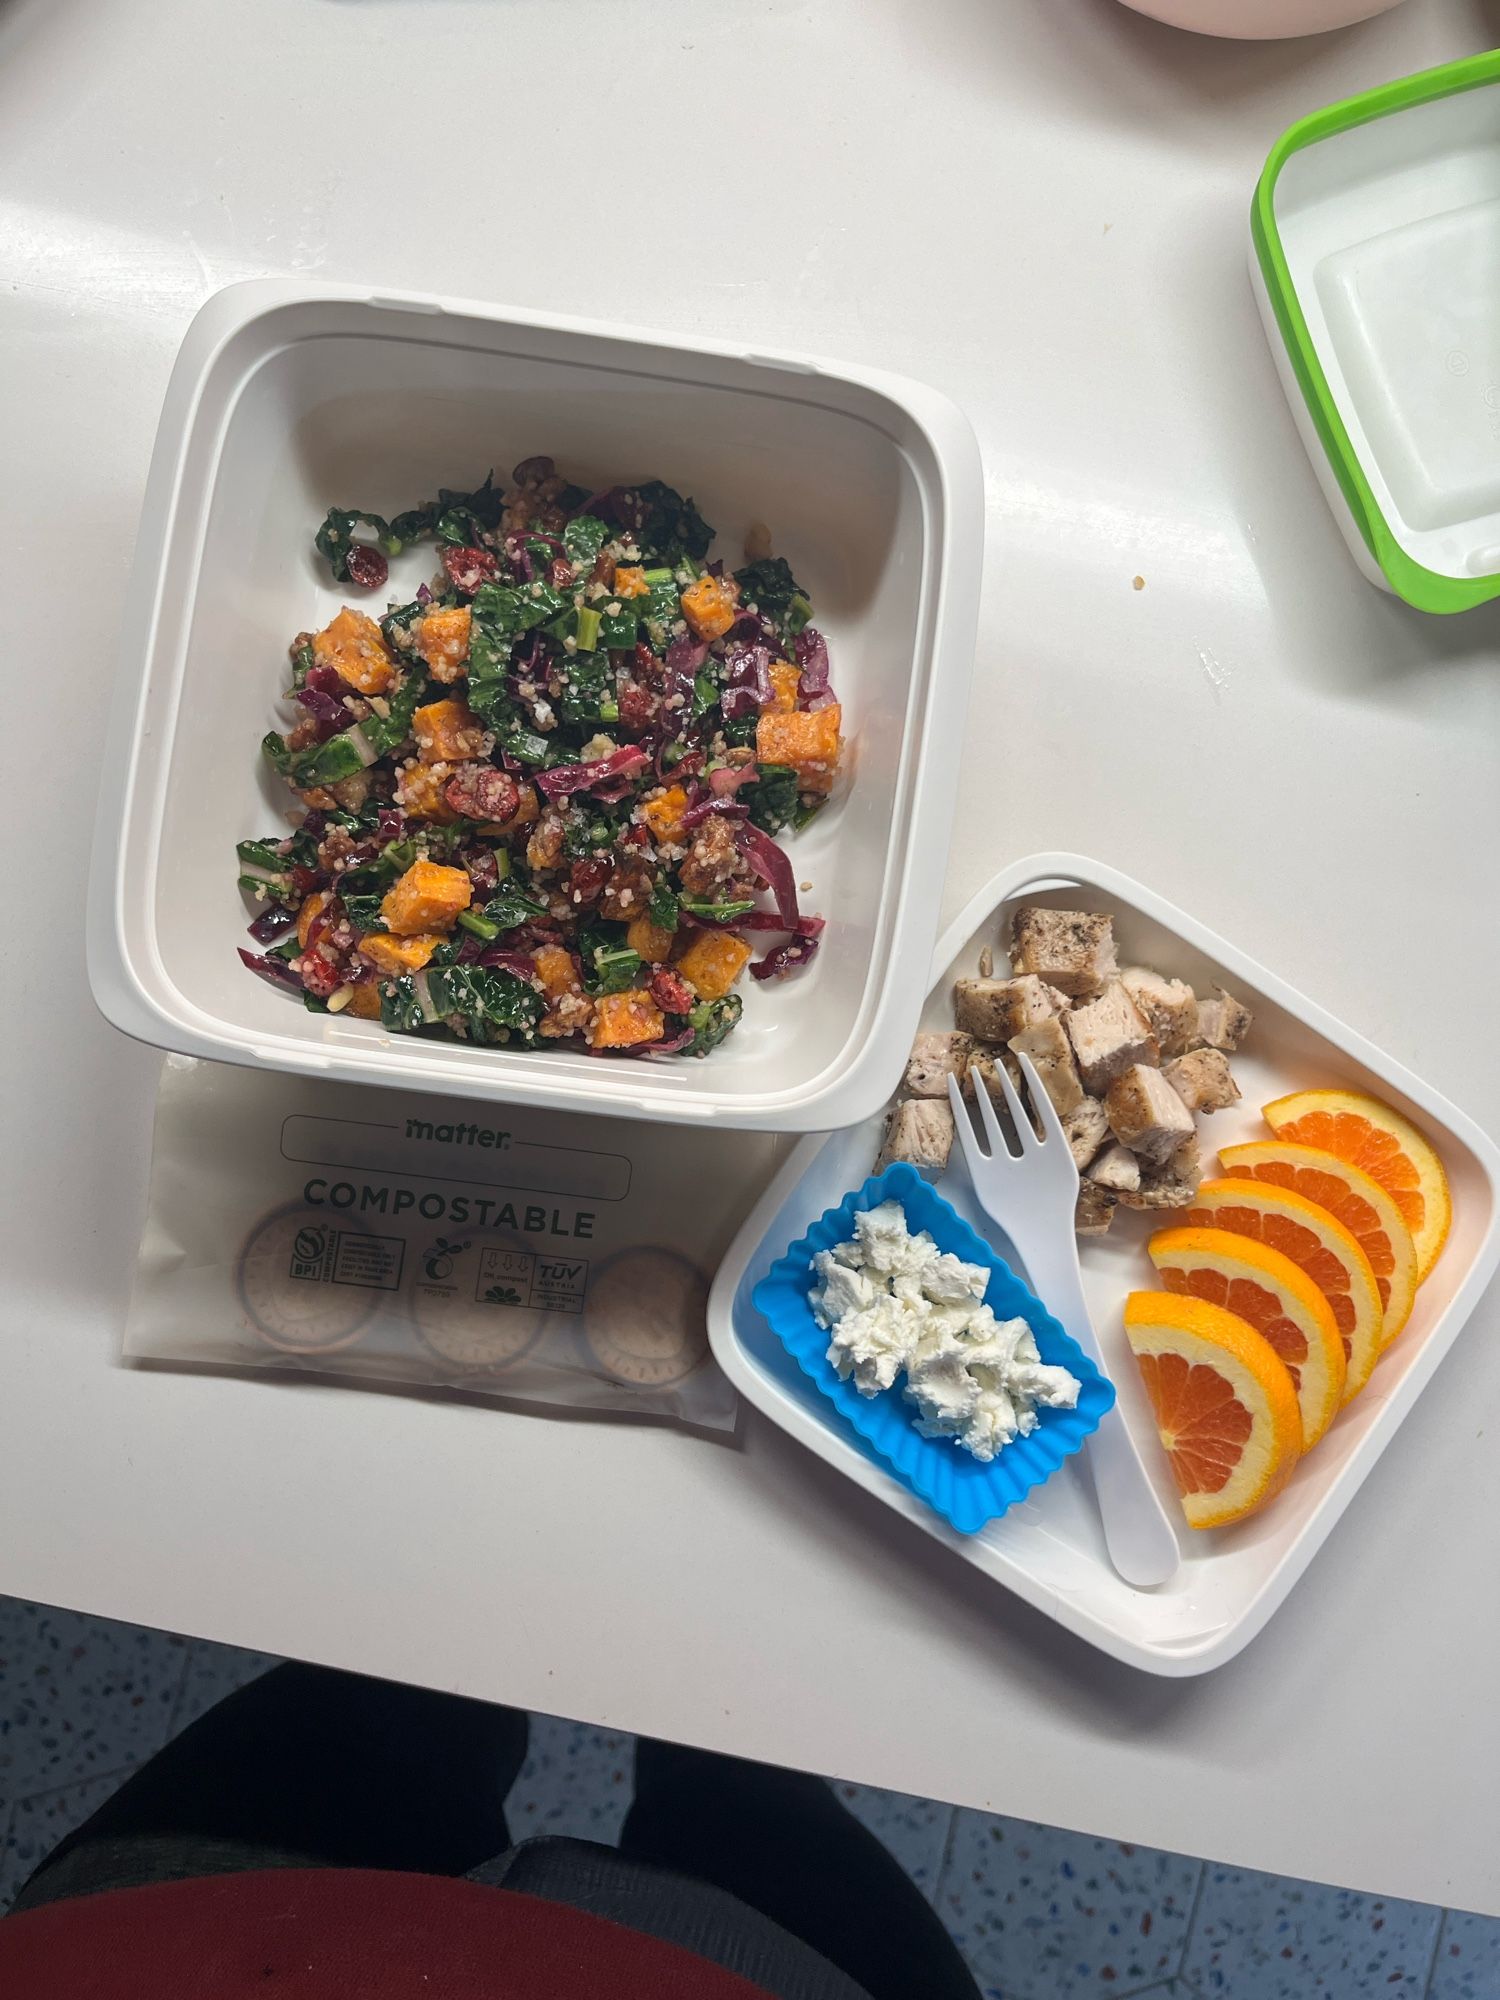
x,y
1042,1915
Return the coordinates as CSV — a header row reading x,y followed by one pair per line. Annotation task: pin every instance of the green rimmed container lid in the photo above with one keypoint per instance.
x,y
1376,258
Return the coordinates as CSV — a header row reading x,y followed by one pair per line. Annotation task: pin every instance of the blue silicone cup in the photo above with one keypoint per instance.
x,y
966,1493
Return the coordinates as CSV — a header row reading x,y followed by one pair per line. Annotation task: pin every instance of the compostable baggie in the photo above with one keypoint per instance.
x,y
387,1236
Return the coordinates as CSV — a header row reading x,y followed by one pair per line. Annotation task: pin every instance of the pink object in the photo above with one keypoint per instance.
x,y
1261,20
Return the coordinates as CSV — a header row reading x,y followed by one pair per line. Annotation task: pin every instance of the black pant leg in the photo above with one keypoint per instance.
x,y
305,1767
781,1842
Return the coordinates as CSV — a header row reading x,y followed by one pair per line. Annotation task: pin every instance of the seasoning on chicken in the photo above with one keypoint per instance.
x,y
1146,1114
993,1010
1169,1007
933,1059
1108,1036
1223,1022
920,1132
1202,1080
1069,949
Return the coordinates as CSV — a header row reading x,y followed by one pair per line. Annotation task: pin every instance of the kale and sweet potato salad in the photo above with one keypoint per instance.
x,y
543,799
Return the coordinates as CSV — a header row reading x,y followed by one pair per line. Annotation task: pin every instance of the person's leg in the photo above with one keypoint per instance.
x,y
305,1767
781,1842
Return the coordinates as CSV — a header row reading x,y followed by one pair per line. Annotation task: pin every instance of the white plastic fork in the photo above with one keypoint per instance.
x,y
1031,1194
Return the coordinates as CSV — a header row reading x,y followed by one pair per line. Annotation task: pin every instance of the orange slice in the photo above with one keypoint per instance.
x,y
1388,1147
1351,1197
1225,1407
1271,1294
1317,1243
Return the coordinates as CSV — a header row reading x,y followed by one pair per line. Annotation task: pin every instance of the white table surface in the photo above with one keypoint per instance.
x,y
1039,206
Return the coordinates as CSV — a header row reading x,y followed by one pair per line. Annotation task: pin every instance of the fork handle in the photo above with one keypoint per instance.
x,y
1139,1536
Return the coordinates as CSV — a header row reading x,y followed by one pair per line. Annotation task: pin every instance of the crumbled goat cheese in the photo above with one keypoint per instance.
x,y
894,1304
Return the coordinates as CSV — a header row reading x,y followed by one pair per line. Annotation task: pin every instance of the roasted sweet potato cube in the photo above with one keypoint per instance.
x,y
311,907
663,814
364,1001
395,955
809,742
713,962
443,640
630,581
556,970
419,792
711,605
622,1019
353,647
786,678
427,898
649,941
447,732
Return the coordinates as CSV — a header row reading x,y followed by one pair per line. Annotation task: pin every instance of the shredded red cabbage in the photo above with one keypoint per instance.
x,y
424,595
276,970
747,680
564,779
715,809
520,555
326,710
784,958
684,658
271,924
390,823
812,658
768,860
754,920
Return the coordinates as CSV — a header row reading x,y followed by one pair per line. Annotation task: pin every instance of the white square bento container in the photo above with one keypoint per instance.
x,y
287,399
1050,1550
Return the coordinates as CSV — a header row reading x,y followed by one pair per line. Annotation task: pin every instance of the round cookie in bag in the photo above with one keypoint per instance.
x,y
646,1318
295,1287
471,1301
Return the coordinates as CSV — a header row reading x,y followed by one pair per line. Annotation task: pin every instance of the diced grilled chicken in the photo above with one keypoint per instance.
x,y
1223,1022
1072,950
995,1009
1171,1185
920,1131
1169,1007
1108,1035
1201,1079
1117,1168
933,1059
1146,1114
1095,1209
1087,1128
1049,1048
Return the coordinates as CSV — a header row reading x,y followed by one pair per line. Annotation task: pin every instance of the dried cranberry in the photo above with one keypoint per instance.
x,y
467,568
366,566
320,976
483,870
586,880
604,566
638,709
479,791
560,573
304,880
671,992
635,836
390,823
647,667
